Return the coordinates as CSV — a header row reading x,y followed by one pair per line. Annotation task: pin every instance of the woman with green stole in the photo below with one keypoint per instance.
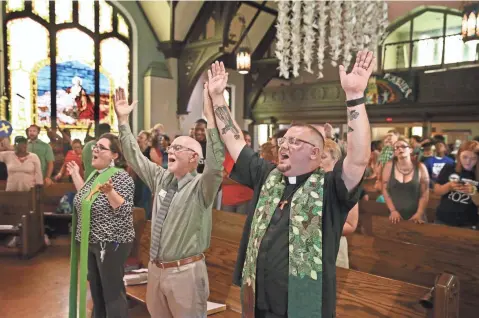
x,y
102,232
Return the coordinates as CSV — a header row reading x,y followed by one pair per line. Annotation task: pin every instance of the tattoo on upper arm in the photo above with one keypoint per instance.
x,y
222,114
350,129
353,114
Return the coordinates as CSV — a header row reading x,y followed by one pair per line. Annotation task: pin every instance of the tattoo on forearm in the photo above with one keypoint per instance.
x,y
222,114
353,114
350,129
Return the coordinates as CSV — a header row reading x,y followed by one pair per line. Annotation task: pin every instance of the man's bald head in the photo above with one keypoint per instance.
x,y
190,143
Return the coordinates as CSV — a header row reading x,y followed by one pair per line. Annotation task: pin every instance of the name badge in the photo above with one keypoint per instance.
x,y
162,194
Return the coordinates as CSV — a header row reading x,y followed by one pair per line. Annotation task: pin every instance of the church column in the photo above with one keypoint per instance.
x,y
161,95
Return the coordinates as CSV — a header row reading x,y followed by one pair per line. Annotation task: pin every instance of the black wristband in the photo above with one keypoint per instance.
x,y
355,102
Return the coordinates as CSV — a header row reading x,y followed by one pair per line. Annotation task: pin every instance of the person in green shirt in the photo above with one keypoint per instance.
x,y
43,151
88,150
177,276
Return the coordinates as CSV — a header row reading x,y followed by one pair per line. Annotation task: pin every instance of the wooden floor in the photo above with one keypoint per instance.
x,y
38,288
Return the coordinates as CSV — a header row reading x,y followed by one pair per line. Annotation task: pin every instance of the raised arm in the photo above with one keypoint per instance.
x,y
229,130
144,168
359,133
215,154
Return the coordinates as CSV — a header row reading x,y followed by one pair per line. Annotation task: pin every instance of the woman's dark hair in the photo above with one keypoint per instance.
x,y
115,147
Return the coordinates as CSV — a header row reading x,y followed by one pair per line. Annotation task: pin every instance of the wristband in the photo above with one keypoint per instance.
x,y
355,102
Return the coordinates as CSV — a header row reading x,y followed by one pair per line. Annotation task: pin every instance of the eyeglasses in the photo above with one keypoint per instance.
x,y
400,147
99,148
178,148
293,141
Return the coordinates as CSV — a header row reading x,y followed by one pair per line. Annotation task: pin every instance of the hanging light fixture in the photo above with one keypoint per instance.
x,y
243,56
470,22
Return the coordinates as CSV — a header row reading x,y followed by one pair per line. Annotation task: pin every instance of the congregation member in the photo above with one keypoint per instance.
x,y
4,146
102,230
457,185
331,155
24,173
158,153
235,197
287,257
200,136
181,216
74,155
436,163
405,185
43,151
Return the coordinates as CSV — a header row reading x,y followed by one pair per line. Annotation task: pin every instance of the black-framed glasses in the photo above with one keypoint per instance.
x,y
293,141
99,148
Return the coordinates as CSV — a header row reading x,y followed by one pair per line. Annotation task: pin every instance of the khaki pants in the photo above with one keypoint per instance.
x,y
179,292
343,259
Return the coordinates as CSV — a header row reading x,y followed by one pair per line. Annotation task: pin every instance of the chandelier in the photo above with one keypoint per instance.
x,y
470,22
308,30
243,56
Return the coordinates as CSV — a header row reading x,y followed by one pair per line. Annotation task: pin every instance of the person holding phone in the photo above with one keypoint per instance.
x,y
458,187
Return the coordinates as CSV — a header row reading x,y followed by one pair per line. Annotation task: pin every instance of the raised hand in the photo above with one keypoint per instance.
x,y
73,168
106,187
122,109
354,84
217,79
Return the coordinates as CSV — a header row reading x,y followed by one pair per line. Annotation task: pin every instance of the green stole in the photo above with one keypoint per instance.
x,y
87,202
305,245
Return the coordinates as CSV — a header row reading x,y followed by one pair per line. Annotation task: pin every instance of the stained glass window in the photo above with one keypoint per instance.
x,y
64,11
42,9
122,26
86,14
15,5
26,57
115,58
106,11
68,100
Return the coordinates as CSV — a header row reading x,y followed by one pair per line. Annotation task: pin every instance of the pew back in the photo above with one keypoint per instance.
x,y
376,208
417,254
21,209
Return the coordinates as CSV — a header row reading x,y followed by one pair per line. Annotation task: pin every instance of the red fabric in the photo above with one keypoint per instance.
x,y
234,194
72,156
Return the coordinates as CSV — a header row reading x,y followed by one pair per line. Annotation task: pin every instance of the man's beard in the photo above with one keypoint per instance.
x,y
284,167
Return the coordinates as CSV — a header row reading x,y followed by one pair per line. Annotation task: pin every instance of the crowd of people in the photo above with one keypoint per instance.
x,y
300,193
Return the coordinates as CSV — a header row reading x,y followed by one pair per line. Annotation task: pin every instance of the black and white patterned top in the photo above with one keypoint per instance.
x,y
108,224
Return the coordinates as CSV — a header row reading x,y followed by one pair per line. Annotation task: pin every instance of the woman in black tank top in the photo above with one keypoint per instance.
x,y
405,185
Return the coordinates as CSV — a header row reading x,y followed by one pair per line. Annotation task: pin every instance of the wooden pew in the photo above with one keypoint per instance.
x,y
376,208
21,210
359,294
52,195
417,253
219,280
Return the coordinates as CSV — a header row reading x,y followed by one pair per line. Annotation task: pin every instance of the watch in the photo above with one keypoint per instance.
x,y
355,102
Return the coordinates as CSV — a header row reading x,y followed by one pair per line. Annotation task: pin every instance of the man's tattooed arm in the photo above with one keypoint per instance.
x,y
223,115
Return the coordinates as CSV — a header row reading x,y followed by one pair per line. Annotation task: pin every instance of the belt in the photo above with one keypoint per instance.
x,y
181,262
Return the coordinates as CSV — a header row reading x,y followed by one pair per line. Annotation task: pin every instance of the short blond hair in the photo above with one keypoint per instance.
x,y
333,149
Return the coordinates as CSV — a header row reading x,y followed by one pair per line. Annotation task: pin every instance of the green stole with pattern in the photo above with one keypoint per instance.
x,y
305,279
87,202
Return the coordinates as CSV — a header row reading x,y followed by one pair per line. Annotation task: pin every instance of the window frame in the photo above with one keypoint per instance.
x,y
53,28
410,18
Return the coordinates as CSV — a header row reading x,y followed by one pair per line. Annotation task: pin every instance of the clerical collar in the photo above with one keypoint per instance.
x,y
102,170
298,179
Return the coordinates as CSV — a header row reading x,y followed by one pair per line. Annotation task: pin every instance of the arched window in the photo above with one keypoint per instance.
x,y
63,61
430,37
